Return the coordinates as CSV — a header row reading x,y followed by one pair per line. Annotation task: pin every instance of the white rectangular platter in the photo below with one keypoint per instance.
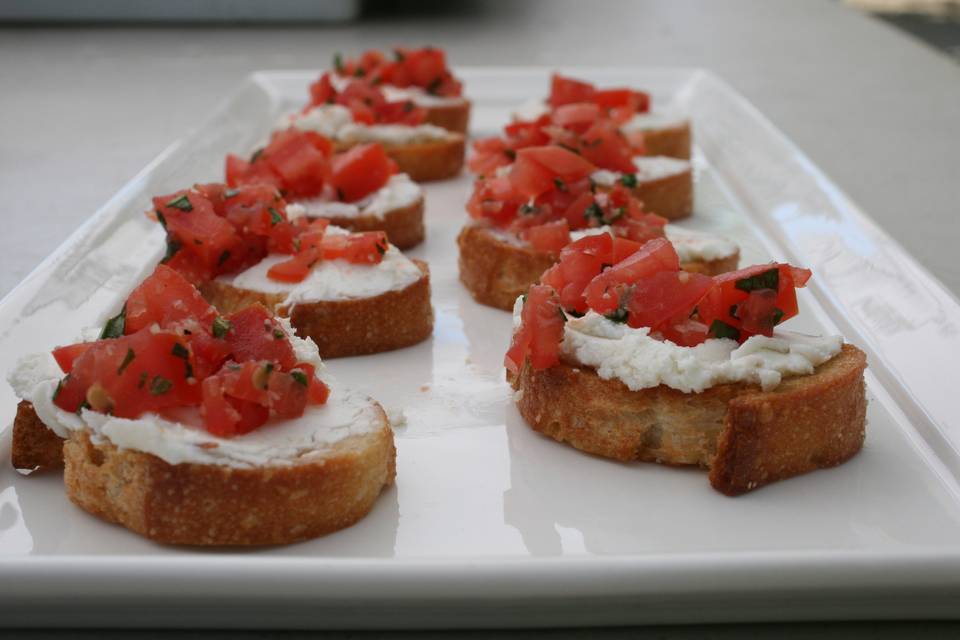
x,y
490,524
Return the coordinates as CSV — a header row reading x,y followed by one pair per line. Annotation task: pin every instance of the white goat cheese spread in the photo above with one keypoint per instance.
x,y
649,168
400,192
336,122
179,437
618,351
331,279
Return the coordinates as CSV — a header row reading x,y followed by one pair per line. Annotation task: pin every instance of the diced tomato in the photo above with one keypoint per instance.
x,y
167,299
657,255
239,172
257,335
65,356
577,116
688,333
247,380
294,156
367,247
296,269
360,171
317,391
564,90
758,314
540,332
624,248
663,296
210,351
550,237
225,416
288,393
579,264
560,162
604,146
133,374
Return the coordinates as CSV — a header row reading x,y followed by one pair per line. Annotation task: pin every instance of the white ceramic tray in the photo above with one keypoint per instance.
x,y
489,523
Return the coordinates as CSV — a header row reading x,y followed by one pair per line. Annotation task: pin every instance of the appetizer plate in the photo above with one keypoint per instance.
x,y
489,523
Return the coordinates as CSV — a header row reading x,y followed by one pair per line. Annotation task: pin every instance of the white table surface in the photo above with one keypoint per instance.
x,y
84,108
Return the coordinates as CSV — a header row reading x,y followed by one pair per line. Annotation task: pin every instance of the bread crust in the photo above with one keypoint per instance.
x,y
674,141
496,271
746,437
33,446
389,321
670,196
426,161
403,226
454,116
202,504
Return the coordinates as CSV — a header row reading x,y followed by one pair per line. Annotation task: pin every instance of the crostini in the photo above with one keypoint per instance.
x,y
652,131
192,427
418,75
664,184
359,113
352,293
527,212
643,361
358,189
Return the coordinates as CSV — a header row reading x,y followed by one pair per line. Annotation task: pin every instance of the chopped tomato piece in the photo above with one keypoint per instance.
x,y
540,331
564,90
167,299
550,237
360,171
663,296
577,116
65,356
657,255
367,247
257,335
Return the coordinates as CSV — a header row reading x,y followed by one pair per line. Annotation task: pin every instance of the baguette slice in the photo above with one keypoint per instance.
x,y
671,139
391,320
425,161
665,186
746,437
496,271
33,446
452,115
404,226
208,504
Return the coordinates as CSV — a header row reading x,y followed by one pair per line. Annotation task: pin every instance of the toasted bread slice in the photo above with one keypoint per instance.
x,y
33,446
208,504
746,437
426,161
340,328
403,226
665,185
673,140
495,271
451,115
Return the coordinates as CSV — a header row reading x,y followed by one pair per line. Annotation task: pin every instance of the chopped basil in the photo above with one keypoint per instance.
x,y
618,315
574,313
83,405
221,326
160,385
398,55
381,248
340,194
230,193
408,106
127,359
172,248
56,391
510,153
161,220
278,334
619,213
256,155
338,62
181,351
182,203
720,329
594,212
529,210
300,377
223,258
777,316
569,148
434,85
733,311
769,279
143,380
629,180
275,217
359,72
115,326
559,184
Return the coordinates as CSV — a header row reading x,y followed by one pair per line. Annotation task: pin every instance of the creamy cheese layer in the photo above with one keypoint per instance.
x,y
640,361
331,280
399,192
649,168
178,436
649,121
336,122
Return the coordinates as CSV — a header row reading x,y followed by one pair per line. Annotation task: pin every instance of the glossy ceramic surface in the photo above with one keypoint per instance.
x,y
489,523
